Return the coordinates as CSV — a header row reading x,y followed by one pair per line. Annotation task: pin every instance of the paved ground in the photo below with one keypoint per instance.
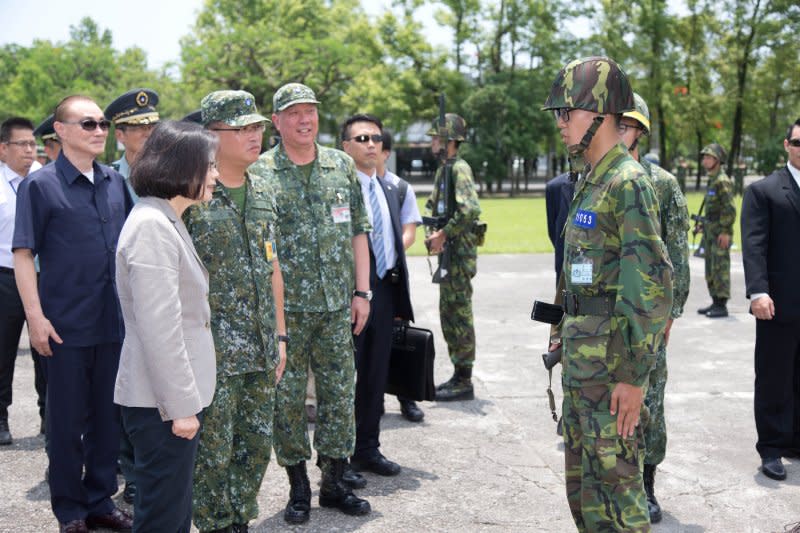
x,y
495,464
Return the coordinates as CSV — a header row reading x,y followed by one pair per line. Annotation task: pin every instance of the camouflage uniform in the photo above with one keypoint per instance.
x,y
317,265
674,218
455,294
238,250
720,214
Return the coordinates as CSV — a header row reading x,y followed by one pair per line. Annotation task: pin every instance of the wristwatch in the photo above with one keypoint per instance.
x,y
366,295
283,338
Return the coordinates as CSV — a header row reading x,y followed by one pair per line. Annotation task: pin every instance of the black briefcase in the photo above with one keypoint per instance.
x,y
411,363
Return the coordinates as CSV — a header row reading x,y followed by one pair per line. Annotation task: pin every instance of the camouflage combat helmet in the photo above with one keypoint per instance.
x,y
455,126
714,150
641,114
234,108
595,84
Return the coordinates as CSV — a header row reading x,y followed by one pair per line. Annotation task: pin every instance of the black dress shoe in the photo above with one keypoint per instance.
x,y
116,520
377,464
353,479
773,468
129,493
410,410
75,526
5,434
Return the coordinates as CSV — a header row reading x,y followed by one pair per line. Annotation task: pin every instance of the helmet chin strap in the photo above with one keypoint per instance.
x,y
577,163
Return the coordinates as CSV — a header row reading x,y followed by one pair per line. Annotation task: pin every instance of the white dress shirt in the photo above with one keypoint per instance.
x,y
9,183
389,253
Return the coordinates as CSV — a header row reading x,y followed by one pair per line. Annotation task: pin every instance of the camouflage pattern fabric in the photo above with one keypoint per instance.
x,y
234,108
455,295
674,218
603,470
720,216
455,127
238,250
595,84
612,247
317,218
234,450
291,94
714,150
324,342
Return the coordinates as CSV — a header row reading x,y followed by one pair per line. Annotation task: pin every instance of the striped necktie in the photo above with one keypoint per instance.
x,y
377,230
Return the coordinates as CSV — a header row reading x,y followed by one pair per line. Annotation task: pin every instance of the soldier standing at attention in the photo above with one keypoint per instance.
x,y
720,214
233,235
674,221
322,231
455,292
618,282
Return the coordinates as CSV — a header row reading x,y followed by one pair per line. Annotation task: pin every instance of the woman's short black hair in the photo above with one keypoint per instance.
x,y
174,161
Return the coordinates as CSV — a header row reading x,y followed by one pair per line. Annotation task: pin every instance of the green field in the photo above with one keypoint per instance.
x,y
519,225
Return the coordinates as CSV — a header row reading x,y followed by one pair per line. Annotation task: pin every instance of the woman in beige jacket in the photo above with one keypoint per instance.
x,y
167,369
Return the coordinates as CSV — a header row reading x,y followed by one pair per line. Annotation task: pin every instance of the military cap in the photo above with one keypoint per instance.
x,y
45,130
594,84
134,107
715,151
641,114
234,108
194,116
291,94
455,127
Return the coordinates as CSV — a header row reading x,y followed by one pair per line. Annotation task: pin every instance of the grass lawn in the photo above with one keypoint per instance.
x,y
519,225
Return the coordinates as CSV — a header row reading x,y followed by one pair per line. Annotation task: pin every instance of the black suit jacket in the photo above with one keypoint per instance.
x,y
401,296
558,196
770,233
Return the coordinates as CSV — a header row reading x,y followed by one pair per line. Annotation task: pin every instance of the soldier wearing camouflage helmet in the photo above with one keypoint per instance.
x,y
674,227
618,294
322,234
717,226
234,235
455,293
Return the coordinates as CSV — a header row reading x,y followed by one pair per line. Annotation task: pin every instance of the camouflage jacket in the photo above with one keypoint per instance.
x,y
466,209
613,248
239,253
674,230
317,219
720,211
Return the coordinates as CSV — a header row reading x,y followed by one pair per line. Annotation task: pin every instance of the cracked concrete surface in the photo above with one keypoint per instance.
x,y
496,464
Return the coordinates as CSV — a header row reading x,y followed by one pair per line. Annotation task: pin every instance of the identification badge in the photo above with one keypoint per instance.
x,y
440,207
585,219
269,247
581,273
712,192
340,213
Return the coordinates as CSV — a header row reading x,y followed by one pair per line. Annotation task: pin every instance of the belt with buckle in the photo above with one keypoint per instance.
x,y
576,304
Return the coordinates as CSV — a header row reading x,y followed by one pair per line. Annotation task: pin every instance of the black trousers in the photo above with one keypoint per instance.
x,y
373,348
164,470
12,320
83,429
777,387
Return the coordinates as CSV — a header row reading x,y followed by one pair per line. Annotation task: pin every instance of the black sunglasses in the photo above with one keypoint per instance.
x,y
376,138
90,124
794,142
561,113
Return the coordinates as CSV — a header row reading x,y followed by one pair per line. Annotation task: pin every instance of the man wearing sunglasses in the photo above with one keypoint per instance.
x,y
70,214
770,225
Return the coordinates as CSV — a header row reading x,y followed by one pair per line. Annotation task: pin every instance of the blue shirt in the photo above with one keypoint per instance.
x,y
73,226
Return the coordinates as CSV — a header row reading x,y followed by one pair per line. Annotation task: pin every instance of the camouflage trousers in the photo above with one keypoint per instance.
x,y
655,430
718,268
455,315
325,342
234,450
603,470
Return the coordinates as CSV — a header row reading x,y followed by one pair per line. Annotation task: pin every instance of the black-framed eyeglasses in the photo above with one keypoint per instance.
x,y
90,124
249,129
794,142
213,164
623,128
375,137
561,113
23,144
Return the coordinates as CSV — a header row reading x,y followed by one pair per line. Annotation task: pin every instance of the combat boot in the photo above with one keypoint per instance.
x,y
299,506
704,310
351,478
333,491
718,309
649,488
458,387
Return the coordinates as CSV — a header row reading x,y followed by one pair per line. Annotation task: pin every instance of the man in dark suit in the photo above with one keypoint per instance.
x,y
770,224
362,140
558,195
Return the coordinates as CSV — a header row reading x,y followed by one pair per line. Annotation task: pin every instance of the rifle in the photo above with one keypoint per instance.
x,y
551,314
699,221
443,209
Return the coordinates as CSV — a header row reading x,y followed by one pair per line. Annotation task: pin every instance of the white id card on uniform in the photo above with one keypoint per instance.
x,y
340,213
581,273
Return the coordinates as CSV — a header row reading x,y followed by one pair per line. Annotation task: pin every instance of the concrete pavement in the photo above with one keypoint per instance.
x,y
496,463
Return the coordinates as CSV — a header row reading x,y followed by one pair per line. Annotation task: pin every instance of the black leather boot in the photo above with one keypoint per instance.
x,y
299,506
652,504
718,309
458,387
333,492
704,310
